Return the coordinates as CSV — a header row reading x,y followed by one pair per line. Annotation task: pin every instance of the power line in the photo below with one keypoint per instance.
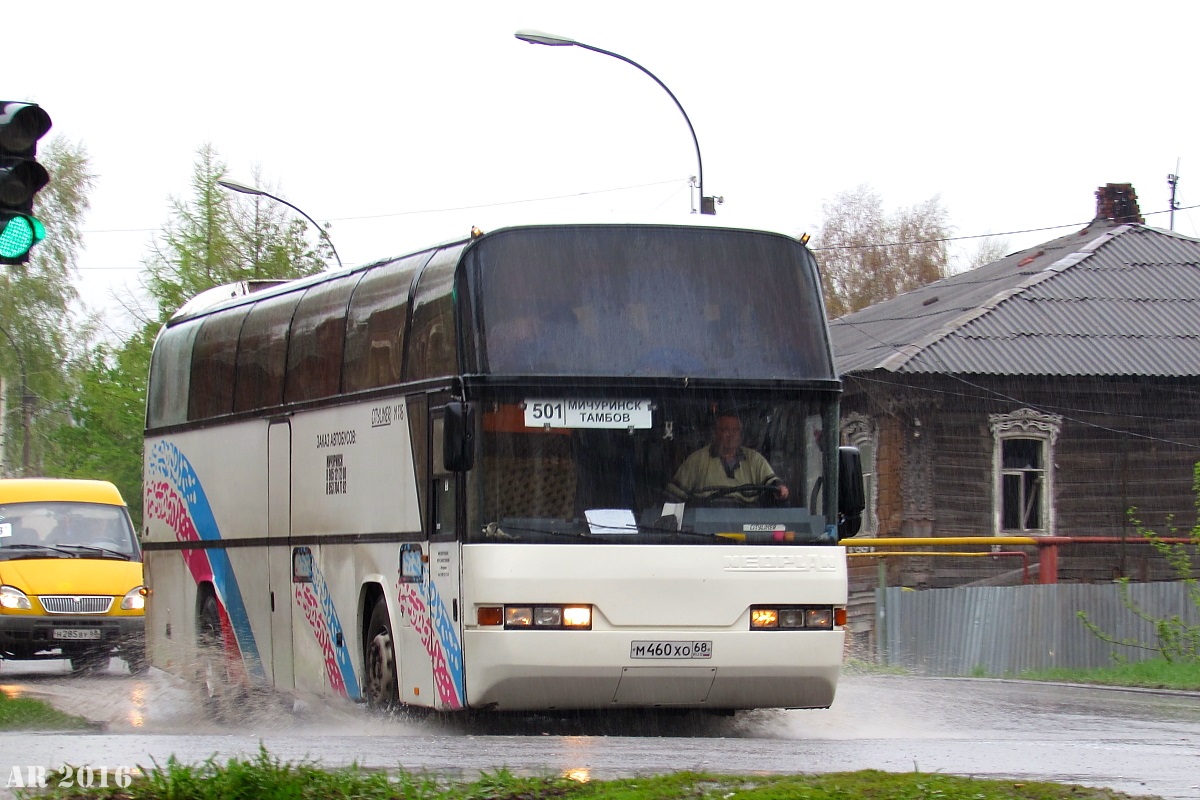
x,y
449,209
977,235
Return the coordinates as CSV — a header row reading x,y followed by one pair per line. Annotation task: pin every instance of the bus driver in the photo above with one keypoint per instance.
x,y
725,473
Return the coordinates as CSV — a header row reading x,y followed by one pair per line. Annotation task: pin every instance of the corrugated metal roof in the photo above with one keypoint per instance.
x,y
1108,300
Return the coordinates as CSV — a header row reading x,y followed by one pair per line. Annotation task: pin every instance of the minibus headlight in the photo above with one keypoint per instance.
x,y
13,598
134,599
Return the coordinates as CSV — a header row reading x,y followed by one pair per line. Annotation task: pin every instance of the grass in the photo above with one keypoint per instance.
x,y
266,778
28,714
1153,674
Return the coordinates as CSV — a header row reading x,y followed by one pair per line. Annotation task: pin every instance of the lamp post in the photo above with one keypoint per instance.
x,y
233,186
708,205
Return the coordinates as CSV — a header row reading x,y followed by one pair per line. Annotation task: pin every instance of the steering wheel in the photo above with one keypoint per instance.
x,y
714,495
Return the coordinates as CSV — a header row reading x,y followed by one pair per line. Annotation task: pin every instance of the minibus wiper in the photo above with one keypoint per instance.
x,y
39,547
104,551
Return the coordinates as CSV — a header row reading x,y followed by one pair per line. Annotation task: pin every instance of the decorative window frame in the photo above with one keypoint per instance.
x,y
859,430
1024,423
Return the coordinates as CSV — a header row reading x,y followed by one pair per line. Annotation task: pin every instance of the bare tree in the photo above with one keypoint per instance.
x,y
867,255
987,250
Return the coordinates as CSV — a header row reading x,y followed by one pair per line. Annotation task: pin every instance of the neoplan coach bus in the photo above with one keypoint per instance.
x,y
438,480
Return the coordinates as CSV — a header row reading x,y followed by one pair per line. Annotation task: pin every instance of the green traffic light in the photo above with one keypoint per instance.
x,y
20,232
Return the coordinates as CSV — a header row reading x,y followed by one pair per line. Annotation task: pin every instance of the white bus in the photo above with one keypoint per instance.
x,y
440,480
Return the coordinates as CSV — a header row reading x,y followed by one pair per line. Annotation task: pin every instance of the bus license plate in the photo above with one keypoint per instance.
x,y
665,649
77,633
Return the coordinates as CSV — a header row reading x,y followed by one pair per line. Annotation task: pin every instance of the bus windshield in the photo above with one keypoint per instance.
x,y
647,469
627,301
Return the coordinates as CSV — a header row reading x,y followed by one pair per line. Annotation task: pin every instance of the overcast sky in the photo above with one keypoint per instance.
x,y
406,123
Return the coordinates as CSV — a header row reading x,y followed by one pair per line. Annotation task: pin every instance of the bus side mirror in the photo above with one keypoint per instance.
x,y
851,497
458,437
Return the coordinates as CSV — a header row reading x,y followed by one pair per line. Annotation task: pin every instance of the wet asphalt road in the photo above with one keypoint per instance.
x,y
1145,743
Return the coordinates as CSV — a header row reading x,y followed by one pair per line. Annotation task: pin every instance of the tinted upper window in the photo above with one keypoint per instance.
x,y
433,347
262,353
213,364
640,300
314,364
170,375
375,325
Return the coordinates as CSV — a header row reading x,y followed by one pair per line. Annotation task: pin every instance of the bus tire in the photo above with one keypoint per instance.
x,y
214,679
382,684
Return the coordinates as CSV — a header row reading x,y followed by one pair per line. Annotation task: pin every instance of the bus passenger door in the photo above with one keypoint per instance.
x,y
443,529
279,555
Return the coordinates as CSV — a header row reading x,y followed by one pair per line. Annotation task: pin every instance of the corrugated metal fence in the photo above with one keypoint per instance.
x,y
1004,630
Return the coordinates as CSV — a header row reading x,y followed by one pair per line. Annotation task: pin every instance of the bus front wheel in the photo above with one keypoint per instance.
x,y
217,690
381,688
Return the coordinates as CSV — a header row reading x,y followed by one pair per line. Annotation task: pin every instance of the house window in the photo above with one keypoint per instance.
x,y
1024,471
858,431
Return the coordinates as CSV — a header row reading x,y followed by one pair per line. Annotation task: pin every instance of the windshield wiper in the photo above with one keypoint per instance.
x,y
493,530
104,551
26,548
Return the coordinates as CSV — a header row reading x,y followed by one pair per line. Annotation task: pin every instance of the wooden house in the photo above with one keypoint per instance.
x,y
1054,392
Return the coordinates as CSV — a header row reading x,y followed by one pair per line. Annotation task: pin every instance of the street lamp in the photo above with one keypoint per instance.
x,y
233,186
708,205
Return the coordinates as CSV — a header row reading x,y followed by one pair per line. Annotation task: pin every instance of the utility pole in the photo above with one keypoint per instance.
x,y
1173,182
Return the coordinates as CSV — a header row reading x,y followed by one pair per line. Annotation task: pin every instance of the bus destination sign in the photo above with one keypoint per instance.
x,y
563,413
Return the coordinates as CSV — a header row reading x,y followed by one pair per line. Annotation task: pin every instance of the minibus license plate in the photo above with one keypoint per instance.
x,y
665,649
77,633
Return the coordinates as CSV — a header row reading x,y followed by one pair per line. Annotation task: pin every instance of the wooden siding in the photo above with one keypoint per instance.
x,y
1124,444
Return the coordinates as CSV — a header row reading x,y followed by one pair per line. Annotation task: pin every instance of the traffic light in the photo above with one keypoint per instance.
x,y
21,177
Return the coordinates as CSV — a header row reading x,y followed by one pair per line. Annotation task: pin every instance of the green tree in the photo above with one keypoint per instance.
x,y
216,238
39,335
103,438
868,256
211,239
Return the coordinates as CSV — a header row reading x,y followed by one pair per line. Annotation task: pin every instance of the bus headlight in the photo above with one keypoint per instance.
x,y
544,617
822,618
134,599
14,598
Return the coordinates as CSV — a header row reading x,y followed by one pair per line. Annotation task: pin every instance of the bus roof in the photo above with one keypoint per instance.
x,y
32,490
232,294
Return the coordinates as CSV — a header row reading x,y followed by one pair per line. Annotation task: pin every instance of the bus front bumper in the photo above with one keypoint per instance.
x,y
531,670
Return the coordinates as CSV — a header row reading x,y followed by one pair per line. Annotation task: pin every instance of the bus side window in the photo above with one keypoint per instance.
x,y
170,374
433,347
213,368
375,325
314,364
262,353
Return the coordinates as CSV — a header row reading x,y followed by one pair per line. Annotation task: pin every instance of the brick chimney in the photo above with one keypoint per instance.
x,y
1118,202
